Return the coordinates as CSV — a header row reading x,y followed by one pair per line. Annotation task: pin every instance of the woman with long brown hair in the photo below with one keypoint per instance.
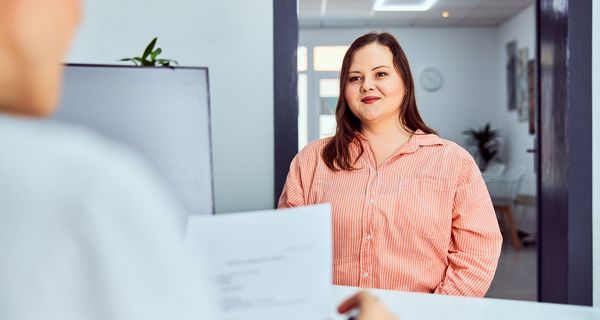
x,y
410,209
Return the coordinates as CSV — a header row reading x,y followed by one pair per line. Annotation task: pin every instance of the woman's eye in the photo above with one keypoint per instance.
x,y
353,79
381,74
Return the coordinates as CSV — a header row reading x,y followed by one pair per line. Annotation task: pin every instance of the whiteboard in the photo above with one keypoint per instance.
x,y
162,113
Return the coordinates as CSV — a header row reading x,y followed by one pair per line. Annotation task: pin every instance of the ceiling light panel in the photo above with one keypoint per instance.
x,y
403,5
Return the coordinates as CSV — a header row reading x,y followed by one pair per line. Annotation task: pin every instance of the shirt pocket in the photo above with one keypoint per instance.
x,y
424,206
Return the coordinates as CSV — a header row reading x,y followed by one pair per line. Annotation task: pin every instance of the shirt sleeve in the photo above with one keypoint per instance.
x,y
476,239
293,190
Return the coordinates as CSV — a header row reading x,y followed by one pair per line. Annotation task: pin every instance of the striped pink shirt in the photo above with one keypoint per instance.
x,y
423,221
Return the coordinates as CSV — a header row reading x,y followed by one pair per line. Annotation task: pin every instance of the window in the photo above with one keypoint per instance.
x,y
318,91
302,59
302,110
328,95
329,58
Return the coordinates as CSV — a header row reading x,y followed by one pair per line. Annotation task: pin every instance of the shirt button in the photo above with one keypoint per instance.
x,y
371,201
366,275
369,237
376,173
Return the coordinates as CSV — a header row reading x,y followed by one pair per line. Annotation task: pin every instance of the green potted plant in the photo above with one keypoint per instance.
x,y
150,57
487,143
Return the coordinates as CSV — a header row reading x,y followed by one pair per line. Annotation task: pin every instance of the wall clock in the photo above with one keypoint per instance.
x,y
431,79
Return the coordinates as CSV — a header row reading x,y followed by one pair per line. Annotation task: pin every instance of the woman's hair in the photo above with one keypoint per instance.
x,y
336,152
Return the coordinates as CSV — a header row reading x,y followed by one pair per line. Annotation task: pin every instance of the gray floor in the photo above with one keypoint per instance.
x,y
516,276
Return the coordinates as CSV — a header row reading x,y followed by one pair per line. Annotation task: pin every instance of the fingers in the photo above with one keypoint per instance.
x,y
355,301
369,307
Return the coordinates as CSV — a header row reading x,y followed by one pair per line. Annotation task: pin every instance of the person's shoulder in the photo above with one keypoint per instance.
x,y
85,169
455,148
316,145
313,149
462,158
61,152
450,152
57,141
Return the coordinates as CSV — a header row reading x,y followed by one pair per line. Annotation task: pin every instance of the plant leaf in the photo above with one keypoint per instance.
x,y
149,48
149,58
155,53
167,62
485,139
130,60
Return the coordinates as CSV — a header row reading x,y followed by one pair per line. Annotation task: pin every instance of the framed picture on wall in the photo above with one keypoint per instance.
x,y
511,64
531,86
522,85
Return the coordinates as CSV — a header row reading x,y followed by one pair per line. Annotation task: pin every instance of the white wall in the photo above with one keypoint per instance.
x,y
237,47
596,149
521,27
472,61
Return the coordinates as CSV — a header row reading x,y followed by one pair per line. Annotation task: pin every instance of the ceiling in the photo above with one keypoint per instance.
x,y
359,13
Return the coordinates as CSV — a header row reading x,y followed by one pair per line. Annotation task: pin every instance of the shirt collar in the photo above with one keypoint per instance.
x,y
419,138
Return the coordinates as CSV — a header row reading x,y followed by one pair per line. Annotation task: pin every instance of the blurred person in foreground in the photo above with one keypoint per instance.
x,y
87,231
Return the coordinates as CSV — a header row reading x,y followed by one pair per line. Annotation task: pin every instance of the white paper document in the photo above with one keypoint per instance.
x,y
273,264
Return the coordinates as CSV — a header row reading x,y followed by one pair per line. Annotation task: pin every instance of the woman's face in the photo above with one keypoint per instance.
x,y
374,89
37,35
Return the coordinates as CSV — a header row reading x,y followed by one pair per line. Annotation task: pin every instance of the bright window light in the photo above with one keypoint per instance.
x,y
327,125
403,5
329,87
328,58
302,59
302,110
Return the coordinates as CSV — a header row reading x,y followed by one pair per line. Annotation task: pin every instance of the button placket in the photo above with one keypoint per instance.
x,y
367,246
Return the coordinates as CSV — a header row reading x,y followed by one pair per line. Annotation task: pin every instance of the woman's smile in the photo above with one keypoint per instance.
x,y
370,99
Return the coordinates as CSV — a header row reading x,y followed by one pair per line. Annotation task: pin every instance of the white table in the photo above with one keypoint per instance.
x,y
409,306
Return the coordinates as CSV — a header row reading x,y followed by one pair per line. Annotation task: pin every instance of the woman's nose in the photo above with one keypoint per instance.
x,y
366,85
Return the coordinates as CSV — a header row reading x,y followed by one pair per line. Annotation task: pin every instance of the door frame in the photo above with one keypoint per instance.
x,y
564,59
285,89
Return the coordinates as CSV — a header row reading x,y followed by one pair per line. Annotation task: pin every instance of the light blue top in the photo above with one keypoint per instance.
x,y
88,232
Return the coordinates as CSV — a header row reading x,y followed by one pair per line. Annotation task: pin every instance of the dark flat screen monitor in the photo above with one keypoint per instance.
x,y
162,113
